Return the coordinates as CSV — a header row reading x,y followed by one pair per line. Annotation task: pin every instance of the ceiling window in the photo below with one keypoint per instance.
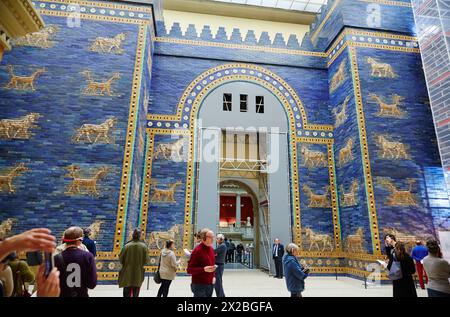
x,y
259,104
243,104
295,5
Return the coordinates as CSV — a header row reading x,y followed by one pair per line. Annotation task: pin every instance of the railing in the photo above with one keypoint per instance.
x,y
247,232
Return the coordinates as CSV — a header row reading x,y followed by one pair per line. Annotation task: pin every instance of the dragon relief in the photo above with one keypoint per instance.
x,y
95,88
23,82
85,185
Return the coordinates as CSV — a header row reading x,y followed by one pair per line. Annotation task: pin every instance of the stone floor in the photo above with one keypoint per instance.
x,y
254,283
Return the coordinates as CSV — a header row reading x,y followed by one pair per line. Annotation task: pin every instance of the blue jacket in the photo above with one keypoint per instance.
x,y
419,252
295,277
90,245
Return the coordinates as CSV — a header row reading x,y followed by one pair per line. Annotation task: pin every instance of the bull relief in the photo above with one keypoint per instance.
x,y
381,70
108,45
95,229
40,39
96,133
341,116
317,200
18,128
87,185
392,150
164,195
23,82
312,158
7,177
315,239
408,239
339,77
345,154
170,151
96,88
389,109
159,238
349,198
355,242
399,197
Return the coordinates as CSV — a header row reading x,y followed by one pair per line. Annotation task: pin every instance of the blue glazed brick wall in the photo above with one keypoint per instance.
x,y
420,165
320,220
40,198
163,215
356,216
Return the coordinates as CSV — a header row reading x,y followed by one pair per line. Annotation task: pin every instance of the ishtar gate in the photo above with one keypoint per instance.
x,y
321,123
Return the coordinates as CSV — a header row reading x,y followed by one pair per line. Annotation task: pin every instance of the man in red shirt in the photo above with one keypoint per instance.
x,y
202,267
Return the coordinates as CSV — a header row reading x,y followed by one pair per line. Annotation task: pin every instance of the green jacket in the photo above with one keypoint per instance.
x,y
133,257
21,274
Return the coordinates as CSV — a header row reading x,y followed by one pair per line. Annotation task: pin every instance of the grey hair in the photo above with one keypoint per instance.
x,y
292,247
220,237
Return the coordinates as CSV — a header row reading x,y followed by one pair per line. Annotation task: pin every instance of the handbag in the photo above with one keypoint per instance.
x,y
157,277
395,272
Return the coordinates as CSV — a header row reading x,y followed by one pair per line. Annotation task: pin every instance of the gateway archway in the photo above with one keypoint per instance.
x,y
242,134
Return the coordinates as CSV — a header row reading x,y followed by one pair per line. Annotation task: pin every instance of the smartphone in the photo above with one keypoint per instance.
x,y
49,263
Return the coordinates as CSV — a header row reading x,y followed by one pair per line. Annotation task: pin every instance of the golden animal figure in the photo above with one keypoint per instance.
x,y
88,185
315,200
399,197
94,133
156,236
23,82
391,149
315,239
350,198
408,239
381,70
109,44
38,39
313,158
165,195
18,128
389,110
6,180
95,228
355,241
341,116
345,154
95,88
6,227
170,150
339,77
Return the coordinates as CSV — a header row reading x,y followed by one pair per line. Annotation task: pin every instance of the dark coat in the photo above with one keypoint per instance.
x,y
280,250
295,277
404,287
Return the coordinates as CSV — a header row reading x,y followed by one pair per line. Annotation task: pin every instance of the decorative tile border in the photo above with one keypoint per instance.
x,y
376,246
96,8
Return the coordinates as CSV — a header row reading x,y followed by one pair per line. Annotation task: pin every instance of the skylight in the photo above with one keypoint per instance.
x,y
296,5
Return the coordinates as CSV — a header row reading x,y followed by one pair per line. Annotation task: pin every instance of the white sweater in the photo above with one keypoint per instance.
x,y
438,271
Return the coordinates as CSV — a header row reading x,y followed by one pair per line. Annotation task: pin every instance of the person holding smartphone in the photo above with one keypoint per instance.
x,y
202,266
77,267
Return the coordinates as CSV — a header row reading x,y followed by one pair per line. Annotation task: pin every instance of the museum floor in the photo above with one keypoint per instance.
x,y
254,283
